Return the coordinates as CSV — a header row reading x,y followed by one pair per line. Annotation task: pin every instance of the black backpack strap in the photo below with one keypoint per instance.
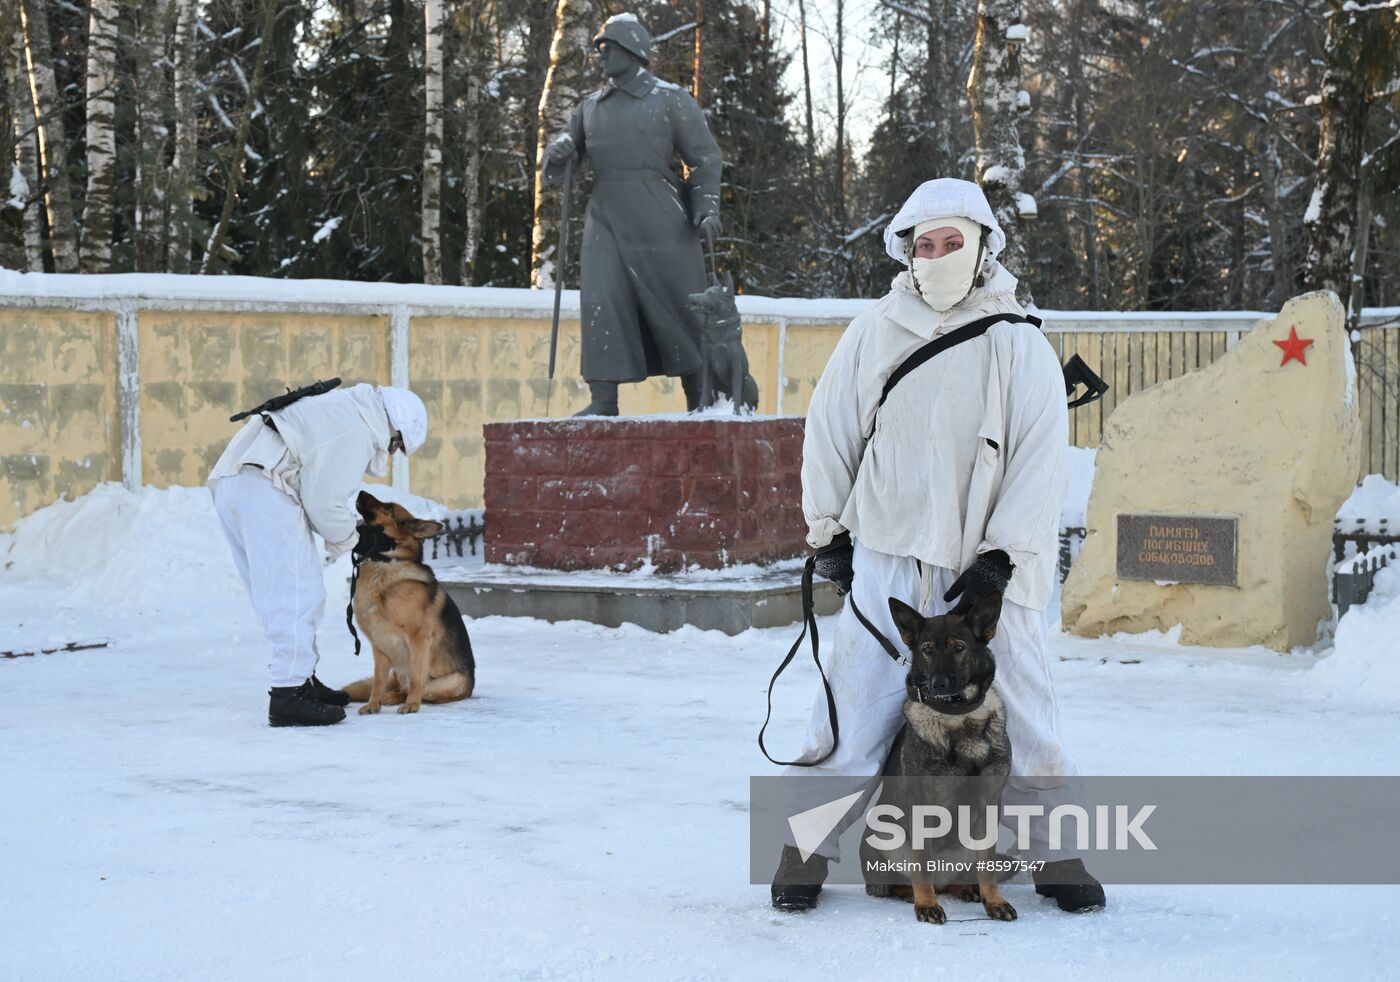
x,y
942,343
952,339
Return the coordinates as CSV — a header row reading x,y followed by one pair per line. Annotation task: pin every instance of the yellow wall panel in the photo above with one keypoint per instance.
x,y
59,433
200,367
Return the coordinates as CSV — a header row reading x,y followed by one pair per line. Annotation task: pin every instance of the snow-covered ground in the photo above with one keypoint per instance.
x,y
584,815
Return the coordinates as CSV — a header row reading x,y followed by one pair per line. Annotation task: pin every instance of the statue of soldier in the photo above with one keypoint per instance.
x,y
641,233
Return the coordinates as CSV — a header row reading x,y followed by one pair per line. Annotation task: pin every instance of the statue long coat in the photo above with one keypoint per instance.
x,y
641,250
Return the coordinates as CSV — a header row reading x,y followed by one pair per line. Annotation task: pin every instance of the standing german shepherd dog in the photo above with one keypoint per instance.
x,y
421,649
953,751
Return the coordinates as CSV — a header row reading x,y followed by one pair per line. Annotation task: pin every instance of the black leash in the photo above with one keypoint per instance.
x,y
350,607
875,632
809,623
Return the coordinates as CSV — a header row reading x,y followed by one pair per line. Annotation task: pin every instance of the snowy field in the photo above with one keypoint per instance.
x,y
584,815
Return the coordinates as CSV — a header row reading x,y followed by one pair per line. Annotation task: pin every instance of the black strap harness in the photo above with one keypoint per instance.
x,y
1076,372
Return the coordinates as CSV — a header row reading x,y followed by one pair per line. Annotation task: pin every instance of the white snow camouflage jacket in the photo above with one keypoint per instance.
x,y
319,454
969,452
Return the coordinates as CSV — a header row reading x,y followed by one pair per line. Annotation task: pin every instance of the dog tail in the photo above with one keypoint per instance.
x,y
358,691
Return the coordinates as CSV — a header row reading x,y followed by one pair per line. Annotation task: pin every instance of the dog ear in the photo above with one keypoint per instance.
x,y
907,620
423,529
983,615
729,282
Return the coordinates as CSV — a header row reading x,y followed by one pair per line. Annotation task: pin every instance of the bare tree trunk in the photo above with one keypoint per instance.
x,y
810,130
840,176
151,224
95,252
1363,242
432,141
235,160
697,82
23,185
1330,220
574,23
181,191
1084,179
991,89
1285,275
472,179
940,109
53,149
894,58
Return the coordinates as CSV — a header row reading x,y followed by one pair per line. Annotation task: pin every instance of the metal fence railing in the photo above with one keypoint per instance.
x,y
459,539
1360,549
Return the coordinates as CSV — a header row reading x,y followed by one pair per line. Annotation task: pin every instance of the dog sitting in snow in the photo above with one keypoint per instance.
x,y
953,751
726,366
421,649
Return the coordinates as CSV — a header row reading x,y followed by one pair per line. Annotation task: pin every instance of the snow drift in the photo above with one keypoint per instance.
x,y
1365,660
112,547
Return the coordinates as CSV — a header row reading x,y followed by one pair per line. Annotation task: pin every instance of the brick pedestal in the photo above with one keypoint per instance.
x,y
596,493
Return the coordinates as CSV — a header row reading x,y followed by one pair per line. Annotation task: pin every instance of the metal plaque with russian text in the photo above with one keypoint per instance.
x,y
1178,549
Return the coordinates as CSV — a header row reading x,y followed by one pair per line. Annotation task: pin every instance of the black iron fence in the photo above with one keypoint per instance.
x,y
1360,549
458,539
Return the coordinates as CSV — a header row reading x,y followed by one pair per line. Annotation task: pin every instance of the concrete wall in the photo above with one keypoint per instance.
x,y
59,431
132,378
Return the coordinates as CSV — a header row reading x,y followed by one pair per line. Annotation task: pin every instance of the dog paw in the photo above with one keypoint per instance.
x,y
1001,911
409,707
369,709
964,891
930,915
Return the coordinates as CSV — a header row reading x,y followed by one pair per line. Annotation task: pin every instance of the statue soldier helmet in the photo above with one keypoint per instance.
x,y
627,32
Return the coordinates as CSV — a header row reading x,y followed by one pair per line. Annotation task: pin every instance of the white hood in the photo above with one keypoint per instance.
x,y
946,197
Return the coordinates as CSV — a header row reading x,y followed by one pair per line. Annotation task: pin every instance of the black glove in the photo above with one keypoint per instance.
x,y
989,574
834,562
372,542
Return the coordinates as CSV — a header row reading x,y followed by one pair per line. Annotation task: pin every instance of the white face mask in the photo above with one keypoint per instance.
x,y
943,282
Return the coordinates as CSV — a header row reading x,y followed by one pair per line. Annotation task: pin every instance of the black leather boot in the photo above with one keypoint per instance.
x,y
603,400
297,705
1070,885
797,884
331,697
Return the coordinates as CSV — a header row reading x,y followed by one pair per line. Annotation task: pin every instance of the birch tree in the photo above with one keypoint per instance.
x,y
574,24
471,178
432,141
809,130
152,97
23,183
95,253
53,147
992,90
181,187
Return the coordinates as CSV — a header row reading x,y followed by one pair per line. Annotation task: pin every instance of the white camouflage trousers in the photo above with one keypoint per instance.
x,y
868,687
270,538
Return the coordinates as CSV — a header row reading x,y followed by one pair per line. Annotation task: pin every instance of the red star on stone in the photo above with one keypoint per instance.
x,y
1293,347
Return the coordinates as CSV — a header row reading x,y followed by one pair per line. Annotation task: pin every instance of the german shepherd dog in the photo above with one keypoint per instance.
x,y
421,649
953,751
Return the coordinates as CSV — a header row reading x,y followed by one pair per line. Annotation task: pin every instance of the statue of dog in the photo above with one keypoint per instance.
x,y
726,366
